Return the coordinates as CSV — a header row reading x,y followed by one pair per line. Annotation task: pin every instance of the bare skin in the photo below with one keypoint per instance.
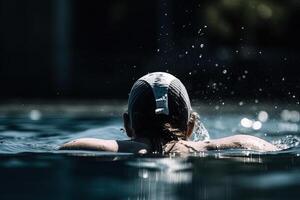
x,y
142,145
232,142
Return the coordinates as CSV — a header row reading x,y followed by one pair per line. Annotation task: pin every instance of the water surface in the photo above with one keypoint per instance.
x,y
32,168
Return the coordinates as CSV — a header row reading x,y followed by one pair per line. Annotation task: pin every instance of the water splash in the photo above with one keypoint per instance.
x,y
200,133
287,142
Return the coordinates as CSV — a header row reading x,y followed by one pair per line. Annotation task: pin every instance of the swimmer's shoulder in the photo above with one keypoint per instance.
x,y
92,144
142,146
232,142
241,141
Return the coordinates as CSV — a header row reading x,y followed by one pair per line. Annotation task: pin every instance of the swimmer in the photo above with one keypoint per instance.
x,y
160,119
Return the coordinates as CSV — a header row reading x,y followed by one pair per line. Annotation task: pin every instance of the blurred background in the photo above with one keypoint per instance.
x,y
244,50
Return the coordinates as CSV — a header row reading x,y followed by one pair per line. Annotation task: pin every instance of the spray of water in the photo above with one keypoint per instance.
x,y
289,141
199,133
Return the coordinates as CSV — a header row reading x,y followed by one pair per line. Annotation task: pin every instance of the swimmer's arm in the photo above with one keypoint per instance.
x,y
94,144
91,144
241,142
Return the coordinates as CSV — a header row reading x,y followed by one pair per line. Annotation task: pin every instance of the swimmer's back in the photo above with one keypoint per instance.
x,y
232,142
144,145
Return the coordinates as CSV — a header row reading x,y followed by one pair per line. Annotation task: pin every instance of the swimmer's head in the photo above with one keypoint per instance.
x,y
158,100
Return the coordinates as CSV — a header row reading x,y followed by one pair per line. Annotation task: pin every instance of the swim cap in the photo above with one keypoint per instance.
x,y
159,95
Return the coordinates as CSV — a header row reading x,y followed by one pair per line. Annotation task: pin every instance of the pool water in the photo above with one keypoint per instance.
x,y
32,168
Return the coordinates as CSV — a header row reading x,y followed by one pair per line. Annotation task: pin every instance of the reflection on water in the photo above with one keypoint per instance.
x,y
29,159
159,179
114,176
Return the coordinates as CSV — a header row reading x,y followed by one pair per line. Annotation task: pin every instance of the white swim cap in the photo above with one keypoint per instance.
x,y
160,93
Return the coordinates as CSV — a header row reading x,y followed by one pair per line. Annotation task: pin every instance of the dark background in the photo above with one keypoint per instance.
x,y
221,49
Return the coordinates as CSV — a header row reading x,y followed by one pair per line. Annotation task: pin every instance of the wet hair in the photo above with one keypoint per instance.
x,y
160,128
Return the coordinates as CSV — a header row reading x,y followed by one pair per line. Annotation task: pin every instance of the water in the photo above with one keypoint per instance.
x,y
32,168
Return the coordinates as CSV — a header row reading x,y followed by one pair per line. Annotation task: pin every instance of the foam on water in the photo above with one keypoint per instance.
x,y
199,132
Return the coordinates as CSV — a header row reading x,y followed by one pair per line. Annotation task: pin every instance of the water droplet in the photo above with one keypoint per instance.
x,y
193,46
247,123
201,46
35,115
263,116
257,125
224,71
214,85
293,116
200,56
